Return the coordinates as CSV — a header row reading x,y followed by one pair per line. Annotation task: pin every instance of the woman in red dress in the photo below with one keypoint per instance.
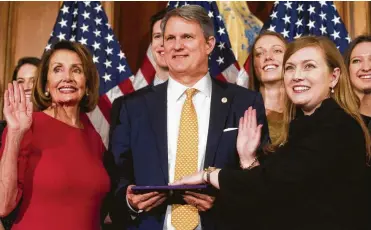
x,y
51,161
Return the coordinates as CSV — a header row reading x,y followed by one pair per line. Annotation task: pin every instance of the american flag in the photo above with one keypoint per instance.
x,y
294,19
87,23
222,62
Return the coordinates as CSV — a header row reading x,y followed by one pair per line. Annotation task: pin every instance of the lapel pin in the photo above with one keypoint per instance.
x,y
224,100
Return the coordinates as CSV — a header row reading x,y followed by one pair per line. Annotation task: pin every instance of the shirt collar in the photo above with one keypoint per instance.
x,y
176,89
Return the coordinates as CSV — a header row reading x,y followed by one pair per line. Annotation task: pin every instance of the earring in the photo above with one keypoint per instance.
x,y
47,93
332,90
87,93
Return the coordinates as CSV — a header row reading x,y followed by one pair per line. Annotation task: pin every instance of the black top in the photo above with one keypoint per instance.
x,y
315,181
367,121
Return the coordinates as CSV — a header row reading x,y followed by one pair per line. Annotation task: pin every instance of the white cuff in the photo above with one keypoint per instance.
x,y
131,208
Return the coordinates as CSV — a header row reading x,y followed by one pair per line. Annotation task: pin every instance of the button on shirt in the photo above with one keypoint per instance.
x,y
175,100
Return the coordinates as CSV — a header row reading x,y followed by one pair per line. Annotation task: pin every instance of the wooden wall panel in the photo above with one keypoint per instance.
x,y
33,25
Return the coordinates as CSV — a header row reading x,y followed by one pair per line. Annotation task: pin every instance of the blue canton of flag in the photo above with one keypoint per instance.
x,y
87,23
222,62
295,19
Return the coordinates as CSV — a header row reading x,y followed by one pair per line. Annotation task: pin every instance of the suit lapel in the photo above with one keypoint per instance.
x,y
219,109
157,112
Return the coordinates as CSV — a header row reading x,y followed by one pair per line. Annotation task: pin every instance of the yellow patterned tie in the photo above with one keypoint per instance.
x,y
185,217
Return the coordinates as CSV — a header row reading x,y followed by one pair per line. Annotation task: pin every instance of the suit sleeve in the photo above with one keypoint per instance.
x,y
122,169
261,119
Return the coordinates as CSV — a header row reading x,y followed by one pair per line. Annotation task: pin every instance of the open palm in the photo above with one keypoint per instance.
x,y
17,109
248,135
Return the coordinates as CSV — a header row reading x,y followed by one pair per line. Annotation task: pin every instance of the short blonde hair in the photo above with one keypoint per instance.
x,y
88,102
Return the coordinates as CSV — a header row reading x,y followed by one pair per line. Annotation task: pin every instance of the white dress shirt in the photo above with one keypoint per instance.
x,y
175,99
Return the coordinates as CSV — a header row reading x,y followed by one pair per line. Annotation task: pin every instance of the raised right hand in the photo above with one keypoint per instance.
x,y
17,109
145,201
248,138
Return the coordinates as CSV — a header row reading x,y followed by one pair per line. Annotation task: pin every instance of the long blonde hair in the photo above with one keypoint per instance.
x,y
343,92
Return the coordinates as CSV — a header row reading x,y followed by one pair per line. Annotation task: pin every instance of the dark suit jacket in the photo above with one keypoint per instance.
x,y
139,143
315,181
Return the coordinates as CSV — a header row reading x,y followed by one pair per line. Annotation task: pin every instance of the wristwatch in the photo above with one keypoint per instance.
x,y
207,171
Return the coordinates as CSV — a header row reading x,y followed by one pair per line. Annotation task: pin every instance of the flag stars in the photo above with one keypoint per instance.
x,y
220,60
272,28
109,50
285,33
300,8
121,68
323,3
84,28
221,31
65,9
95,59
273,15
86,15
73,38
219,17
286,19
288,5
297,35
311,10
107,63
108,25
121,55
311,24
83,41
87,3
48,47
323,29
75,13
107,77
109,38
96,46
74,25
63,23
98,21
221,45
323,16
336,20
97,33
299,23
61,36
335,34
211,14
348,38
98,8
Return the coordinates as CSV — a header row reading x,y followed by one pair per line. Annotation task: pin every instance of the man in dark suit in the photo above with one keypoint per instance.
x,y
187,123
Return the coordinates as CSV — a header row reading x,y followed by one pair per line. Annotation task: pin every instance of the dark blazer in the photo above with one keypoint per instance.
x,y
139,144
315,181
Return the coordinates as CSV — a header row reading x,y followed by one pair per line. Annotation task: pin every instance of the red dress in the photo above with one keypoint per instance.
x,y
61,176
